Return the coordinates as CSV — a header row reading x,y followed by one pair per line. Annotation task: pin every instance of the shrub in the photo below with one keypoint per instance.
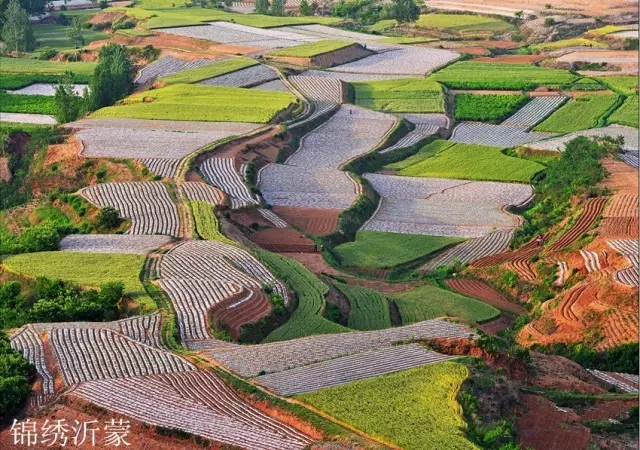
x,y
108,218
125,25
39,238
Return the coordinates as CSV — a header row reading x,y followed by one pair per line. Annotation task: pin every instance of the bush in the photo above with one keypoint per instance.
x,y
47,53
125,25
108,218
39,238
101,26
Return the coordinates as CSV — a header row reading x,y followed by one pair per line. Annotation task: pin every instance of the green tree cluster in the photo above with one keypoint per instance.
x,y
365,12
69,106
17,32
113,77
14,374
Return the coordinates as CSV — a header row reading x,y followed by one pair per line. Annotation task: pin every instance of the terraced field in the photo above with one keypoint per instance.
x,y
494,135
209,71
471,250
112,243
419,133
200,192
481,291
630,138
318,89
627,114
534,112
369,309
250,76
28,341
592,209
147,204
168,65
581,113
221,172
629,248
346,369
406,61
411,95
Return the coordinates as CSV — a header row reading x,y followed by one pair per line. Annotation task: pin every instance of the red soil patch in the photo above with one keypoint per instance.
x,y
475,51
588,7
525,252
497,325
622,177
5,173
367,272
618,228
522,266
61,152
234,317
248,217
285,240
512,59
623,205
318,222
481,291
592,209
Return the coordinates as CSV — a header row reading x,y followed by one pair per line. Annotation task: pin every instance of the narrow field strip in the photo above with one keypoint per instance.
x,y
630,138
619,380
534,112
629,249
318,89
273,218
168,65
420,132
319,108
200,192
38,119
472,249
592,209
349,368
250,76
163,167
28,341
112,243
221,172
404,60
493,135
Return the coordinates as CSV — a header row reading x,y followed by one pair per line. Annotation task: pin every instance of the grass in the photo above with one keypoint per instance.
x,y
36,66
381,250
209,71
487,108
55,36
369,308
415,95
574,42
488,75
625,85
581,113
429,302
310,49
463,23
207,225
608,29
471,162
86,269
134,32
201,103
30,104
413,409
432,148
627,114
20,80
307,318
381,25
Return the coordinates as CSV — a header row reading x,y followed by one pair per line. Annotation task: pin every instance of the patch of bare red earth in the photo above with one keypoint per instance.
x,y
283,240
623,179
315,221
618,228
248,217
234,317
592,209
481,291
517,261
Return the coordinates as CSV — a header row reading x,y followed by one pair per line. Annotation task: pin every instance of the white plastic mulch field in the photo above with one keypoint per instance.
x,y
221,172
350,132
318,89
349,77
46,89
325,32
227,128
275,85
284,185
420,132
38,119
250,76
630,138
494,135
443,207
472,249
112,243
406,61
168,65
629,249
534,112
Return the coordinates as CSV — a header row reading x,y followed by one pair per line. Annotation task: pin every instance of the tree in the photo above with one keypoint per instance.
x,y
277,7
74,33
406,11
69,106
519,14
39,238
305,8
108,218
33,7
262,6
112,78
17,32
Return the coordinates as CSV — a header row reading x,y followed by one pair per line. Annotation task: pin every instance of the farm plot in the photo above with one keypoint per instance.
x,y
432,148
351,132
38,119
618,227
195,102
350,368
629,248
592,209
627,114
625,382
147,204
419,133
622,205
324,32
145,329
318,222
273,218
250,76
534,112
249,361
275,85
320,108
405,61
373,249
581,113
429,302
631,158
349,77
221,172
472,249
222,416
630,138
627,85
200,192
318,89
27,104
112,243
463,24
206,72
200,274
185,126
168,65
283,185
441,207
413,409
311,49
163,167
28,342
487,108
234,314
86,354
493,135
410,95
47,89
369,308
478,289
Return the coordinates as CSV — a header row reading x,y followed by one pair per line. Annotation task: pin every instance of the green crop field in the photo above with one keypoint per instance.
x,y
20,80
309,49
574,42
209,71
463,23
369,308
207,225
432,148
487,108
32,104
472,162
381,25
86,269
608,29
627,114
626,85
488,75
428,302
415,95
307,319
413,409
381,250
201,103
581,113
55,36
36,66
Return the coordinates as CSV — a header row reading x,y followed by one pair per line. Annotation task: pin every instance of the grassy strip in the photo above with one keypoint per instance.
x,y
429,302
380,250
310,49
463,23
574,42
569,399
608,29
369,308
55,36
409,95
307,319
36,66
209,71
581,113
622,85
627,114
430,149
488,108
20,80
423,407
30,104
170,333
207,225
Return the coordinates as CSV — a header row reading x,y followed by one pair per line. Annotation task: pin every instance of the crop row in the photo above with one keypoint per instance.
x,y
274,85
472,249
28,341
221,172
493,135
349,368
407,61
579,114
168,65
626,387
628,248
591,260
86,354
145,329
318,89
147,204
222,416
629,134
48,89
420,132
487,108
163,167
250,76
200,192
28,104
630,157
273,218
623,205
369,309
112,243
563,269
319,108
534,112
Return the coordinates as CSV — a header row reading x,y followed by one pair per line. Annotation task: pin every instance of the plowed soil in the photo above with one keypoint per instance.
x,y
524,252
623,178
318,222
248,217
622,205
495,326
481,291
592,209
587,7
618,228
283,240
247,312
